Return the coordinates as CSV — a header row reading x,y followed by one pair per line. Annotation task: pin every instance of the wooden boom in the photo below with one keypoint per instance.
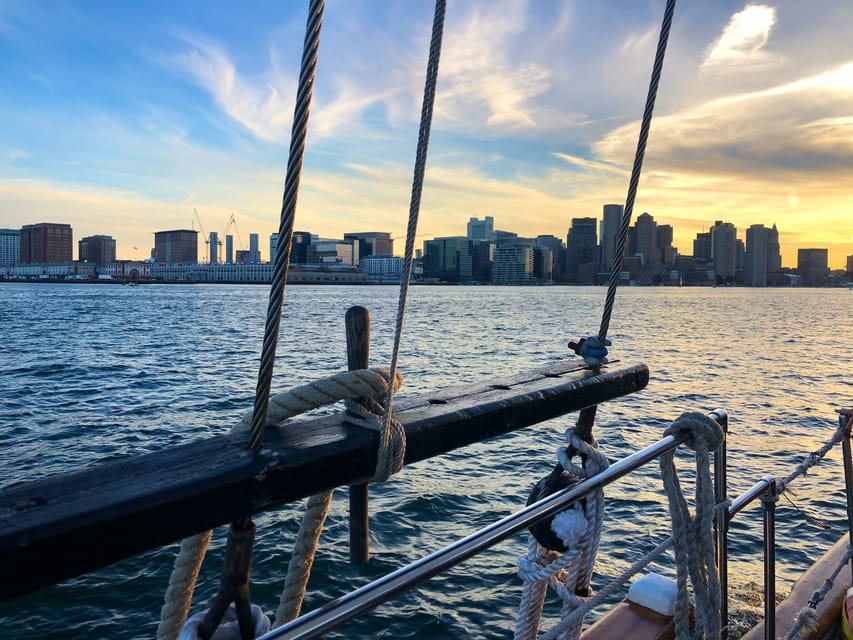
x,y
63,526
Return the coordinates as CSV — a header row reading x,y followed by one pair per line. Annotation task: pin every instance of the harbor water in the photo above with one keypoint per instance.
x,y
96,373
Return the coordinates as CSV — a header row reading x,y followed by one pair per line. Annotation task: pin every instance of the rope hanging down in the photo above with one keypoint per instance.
x,y
385,466
594,352
586,419
692,537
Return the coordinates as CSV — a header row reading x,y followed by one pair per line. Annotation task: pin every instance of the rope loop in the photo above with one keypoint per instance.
x,y
699,430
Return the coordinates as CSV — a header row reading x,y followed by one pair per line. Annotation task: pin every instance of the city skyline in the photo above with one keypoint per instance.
x,y
129,117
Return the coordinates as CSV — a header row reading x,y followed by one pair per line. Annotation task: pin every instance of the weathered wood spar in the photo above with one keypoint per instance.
x,y
64,526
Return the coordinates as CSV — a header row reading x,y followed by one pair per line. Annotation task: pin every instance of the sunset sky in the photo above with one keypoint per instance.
x,y
121,117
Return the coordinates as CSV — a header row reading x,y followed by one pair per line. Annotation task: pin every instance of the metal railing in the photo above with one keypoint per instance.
x,y
340,610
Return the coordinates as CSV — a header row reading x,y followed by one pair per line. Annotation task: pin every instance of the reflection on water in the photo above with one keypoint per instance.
x,y
97,373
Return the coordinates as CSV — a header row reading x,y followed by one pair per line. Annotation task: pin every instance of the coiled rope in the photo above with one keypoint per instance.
x,y
347,386
579,528
692,536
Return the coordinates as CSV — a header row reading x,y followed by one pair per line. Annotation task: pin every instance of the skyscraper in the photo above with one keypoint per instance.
x,y
774,252
610,224
581,245
724,249
757,243
647,239
702,247
214,247
229,249
254,251
481,229
46,242
813,265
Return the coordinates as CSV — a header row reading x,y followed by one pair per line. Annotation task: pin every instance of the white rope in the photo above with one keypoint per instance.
x,y
570,573
692,536
179,595
348,385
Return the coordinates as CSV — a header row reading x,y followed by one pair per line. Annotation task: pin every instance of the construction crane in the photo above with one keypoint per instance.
x,y
232,222
203,234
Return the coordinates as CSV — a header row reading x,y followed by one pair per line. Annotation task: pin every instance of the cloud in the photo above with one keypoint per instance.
x,y
591,164
484,80
263,105
743,41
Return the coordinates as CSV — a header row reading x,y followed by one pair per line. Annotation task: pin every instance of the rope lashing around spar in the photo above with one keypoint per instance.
x,y
593,350
350,386
692,536
567,566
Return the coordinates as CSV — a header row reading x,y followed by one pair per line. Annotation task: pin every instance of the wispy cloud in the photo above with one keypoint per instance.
x,y
743,41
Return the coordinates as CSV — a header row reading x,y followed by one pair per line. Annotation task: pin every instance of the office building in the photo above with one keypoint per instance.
x,y
97,249
813,265
273,247
581,245
10,247
611,222
774,251
371,243
299,247
46,243
849,264
329,252
647,239
513,264
481,229
441,258
757,244
702,247
254,250
229,249
179,246
724,250
214,247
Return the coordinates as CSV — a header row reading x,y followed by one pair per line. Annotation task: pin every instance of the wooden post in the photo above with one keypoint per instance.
x,y
358,353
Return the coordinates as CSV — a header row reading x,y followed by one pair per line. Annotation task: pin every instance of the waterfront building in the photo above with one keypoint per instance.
x,y
757,244
611,222
97,249
46,243
299,247
179,246
482,254
10,247
329,252
127,270
371,243
481,229
229,249
441,258
255,273
849,264
513,264
543,263
254,250
382,269
724,250
813,266
581,245
647,239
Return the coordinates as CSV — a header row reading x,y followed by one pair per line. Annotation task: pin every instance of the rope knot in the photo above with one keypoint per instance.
x,y
697,428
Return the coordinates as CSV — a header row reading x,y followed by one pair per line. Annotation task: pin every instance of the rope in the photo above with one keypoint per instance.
x,y
179,595
814,458
386,463
342,386
579,528
298,133
807,619
693,540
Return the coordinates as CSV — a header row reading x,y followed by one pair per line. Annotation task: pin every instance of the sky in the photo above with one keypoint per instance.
x,y
122,118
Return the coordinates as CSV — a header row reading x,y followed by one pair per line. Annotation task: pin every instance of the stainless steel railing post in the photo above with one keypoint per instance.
x,y
844,422
768,500
721,522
